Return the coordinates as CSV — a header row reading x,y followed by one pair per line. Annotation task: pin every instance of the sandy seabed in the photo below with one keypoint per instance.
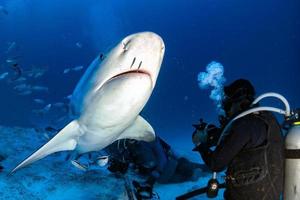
x,y
53,178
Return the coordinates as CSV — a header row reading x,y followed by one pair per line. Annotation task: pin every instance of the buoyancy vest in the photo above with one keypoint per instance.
x,y
257,173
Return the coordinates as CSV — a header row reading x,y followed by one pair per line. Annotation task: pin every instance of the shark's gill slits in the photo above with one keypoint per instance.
x,y
132,63
140,65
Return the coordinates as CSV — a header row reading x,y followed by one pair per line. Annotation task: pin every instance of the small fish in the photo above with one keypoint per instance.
x,y
68,97
43,110
20,80
25,93
40,88
77,68
11,46
102,160
35,72
47,107
13,59
37,75
17,70
39,101
46,136
10,60
3,76
22,87
67,70
59,104
79,165
78,44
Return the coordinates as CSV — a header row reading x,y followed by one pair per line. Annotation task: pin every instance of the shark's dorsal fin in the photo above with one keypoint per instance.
x,y
66,139
139,130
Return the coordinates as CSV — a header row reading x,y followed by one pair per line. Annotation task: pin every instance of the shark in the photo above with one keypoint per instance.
x,y
106,103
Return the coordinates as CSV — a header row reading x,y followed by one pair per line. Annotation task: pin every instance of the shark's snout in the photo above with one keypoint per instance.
x,y
147,39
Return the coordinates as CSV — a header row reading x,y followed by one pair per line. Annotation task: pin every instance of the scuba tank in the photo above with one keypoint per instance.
x,y
292,158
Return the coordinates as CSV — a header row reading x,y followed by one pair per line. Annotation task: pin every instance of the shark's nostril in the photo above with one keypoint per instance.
x,y
125,45
125,48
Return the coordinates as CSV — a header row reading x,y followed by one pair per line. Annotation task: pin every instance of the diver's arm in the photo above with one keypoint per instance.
x,y
233,143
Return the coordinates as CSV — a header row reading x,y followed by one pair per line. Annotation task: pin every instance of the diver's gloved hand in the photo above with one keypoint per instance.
x,y
200,133
206,134
143,190
117,166
213,135
202,147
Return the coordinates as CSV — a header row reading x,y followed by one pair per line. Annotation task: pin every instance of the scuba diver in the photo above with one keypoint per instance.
x,y
252,149
155,161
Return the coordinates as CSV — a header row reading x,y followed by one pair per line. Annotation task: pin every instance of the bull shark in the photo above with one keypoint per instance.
x,y
107,100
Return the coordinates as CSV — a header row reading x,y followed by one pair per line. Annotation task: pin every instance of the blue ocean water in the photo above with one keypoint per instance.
x,y
256,40
252,39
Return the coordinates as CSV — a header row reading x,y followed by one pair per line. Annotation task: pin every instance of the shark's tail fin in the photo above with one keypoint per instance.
x,y
64,140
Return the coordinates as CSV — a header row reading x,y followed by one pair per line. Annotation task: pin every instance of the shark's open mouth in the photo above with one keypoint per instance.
x,y
139,71
131,72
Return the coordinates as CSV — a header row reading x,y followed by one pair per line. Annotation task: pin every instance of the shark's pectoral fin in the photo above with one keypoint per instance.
x,y
139,130
66,139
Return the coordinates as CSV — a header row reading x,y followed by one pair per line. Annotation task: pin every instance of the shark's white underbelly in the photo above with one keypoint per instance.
x,y
97,139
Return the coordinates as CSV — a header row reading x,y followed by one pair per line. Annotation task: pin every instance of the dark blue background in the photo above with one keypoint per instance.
x,y
258,40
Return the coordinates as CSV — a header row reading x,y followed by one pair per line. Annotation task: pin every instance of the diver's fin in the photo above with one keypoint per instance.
x,y
139,130
64,140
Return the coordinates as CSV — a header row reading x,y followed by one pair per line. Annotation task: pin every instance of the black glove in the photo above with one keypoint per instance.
x,y
201,147
213,135
206,133
200,133
143,190
117,166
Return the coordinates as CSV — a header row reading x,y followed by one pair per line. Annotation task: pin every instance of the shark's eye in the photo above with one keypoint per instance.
x,y
101,56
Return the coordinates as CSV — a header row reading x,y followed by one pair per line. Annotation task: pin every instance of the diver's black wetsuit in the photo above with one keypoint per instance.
x,y
253,155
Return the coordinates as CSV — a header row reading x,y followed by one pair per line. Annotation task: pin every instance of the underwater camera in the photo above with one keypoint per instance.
x,y
292,149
